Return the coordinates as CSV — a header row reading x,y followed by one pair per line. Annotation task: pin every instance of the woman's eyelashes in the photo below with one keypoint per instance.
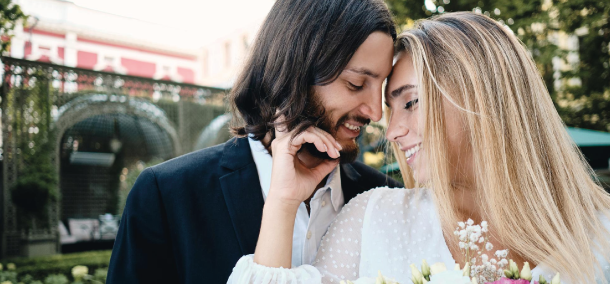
x,y
411,104
355,87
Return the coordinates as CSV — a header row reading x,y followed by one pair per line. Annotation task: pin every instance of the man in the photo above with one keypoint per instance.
x,y
315,63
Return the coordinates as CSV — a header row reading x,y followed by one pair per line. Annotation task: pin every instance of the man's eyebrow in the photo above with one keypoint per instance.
x,y
364,71
400,90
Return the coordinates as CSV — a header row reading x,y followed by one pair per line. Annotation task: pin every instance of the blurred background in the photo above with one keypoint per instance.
x,y
93,92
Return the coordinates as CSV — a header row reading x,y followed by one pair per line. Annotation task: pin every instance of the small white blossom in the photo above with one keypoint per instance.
x,y
484,226
461,224
489,246
470,222
474,237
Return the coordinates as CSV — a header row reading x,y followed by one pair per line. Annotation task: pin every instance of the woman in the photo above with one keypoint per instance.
x,y
472,119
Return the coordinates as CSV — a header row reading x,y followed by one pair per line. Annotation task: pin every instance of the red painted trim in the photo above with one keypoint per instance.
x,y
138,68
41,32
192,58
188,75
86,60
58,35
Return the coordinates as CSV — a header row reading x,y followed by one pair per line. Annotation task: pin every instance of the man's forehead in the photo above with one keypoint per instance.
x,y
363,71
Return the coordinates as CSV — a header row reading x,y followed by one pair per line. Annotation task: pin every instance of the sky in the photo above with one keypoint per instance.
x,y
207,19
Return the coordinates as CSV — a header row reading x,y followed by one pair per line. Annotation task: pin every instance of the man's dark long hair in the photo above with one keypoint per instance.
x,y
302,43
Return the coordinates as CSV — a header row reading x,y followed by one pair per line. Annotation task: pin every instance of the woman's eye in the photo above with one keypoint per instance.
x,y
412,103
355,87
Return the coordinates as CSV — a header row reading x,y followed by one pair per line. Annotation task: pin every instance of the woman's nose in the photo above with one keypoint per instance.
x,y
395,130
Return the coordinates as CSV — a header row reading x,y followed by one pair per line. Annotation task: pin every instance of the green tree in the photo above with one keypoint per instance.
x,y
538,24
10,14
36,185
587,104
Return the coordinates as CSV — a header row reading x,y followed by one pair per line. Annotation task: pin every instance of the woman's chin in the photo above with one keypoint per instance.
x,y
421,176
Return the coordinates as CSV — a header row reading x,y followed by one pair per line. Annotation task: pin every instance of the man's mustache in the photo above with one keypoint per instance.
x,y
359,119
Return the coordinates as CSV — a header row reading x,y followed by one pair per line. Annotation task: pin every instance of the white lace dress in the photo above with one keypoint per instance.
x,y
383,229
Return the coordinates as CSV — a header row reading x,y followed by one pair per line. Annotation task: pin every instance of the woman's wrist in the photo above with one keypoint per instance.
x,y
281,206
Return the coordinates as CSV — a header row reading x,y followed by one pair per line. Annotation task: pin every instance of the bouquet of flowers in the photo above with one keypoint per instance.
x,y
479,268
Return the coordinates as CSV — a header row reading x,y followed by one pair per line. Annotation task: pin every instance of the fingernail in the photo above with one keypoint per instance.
x,y
338,154
325,148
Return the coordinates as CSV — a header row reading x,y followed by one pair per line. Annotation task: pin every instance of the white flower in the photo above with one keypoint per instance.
x,y
470,222
461,224
485,226
556,279
481,240
79,271
474,237
503,263
489,246
437,268
416,275
463,235
484,258
449,277
462,245
474,247
526,273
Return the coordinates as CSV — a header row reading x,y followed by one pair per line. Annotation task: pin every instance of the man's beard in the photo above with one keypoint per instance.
x,y
350,152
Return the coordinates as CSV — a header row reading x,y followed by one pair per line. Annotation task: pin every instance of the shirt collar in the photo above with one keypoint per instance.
x,y
336,191
264,163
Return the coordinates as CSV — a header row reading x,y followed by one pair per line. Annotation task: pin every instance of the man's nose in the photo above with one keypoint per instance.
x,y
373,107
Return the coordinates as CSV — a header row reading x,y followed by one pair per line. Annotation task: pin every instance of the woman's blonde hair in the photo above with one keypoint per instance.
x,y
535,188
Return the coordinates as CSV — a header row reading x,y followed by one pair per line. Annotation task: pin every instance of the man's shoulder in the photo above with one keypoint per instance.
x,y
197,159
202,162
372,177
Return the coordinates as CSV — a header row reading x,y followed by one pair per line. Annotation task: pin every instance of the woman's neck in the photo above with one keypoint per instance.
x,y
467,203
468,206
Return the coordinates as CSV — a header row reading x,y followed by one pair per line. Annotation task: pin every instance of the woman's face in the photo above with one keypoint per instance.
x,y
406,128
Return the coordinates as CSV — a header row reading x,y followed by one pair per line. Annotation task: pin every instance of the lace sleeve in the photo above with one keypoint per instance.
x,y
339,253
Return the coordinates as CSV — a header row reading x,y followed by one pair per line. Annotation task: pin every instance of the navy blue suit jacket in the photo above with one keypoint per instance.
x,y
190,219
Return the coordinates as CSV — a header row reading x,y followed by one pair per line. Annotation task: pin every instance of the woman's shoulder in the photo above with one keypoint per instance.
x,y
394,194
391,198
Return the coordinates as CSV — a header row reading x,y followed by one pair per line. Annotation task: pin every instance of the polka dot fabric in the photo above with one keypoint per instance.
x,y
384,229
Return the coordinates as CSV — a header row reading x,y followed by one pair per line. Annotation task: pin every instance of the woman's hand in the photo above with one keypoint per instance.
x,y
292,182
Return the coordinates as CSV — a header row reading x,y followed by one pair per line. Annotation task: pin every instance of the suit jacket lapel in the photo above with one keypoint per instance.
x,y
242,192
350,182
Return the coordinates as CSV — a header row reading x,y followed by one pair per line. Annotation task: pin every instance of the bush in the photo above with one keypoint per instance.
x,y
41,267
56,279
8,276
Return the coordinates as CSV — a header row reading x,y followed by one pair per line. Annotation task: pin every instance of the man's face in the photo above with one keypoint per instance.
x,y
354,98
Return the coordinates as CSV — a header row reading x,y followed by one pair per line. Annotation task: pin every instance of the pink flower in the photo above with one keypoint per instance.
x,y
504,280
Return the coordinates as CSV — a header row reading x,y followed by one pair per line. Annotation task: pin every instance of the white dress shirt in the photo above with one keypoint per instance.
x,y
308,228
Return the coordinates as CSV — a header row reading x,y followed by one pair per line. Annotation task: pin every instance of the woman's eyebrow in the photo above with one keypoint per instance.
x,y
395,93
